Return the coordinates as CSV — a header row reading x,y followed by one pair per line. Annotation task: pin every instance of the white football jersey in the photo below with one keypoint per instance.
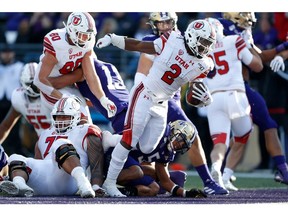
x,y
69,56
228,55
45,177
77,136
173,66
32,110
69,59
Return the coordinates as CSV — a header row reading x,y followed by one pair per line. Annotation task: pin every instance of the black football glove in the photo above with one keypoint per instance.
x,y
195,193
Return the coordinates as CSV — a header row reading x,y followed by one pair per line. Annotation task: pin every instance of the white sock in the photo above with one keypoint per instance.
x,y
19,181
119,157
227,174
217,166
79,175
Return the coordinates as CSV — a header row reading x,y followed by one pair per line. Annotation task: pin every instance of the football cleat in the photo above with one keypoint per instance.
x,y
25,191
229,186
8,188
279,178
86,191
212,188
112,190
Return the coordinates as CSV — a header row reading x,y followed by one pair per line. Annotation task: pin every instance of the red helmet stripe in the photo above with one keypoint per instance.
x,y
90,21
61,104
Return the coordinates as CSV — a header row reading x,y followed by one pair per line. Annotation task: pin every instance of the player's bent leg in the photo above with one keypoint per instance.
x,y
196,153
68,159
19,174
119,156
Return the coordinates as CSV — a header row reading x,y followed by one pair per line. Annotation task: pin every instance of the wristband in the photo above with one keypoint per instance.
x,y
281,47
139,77
102,99
174,190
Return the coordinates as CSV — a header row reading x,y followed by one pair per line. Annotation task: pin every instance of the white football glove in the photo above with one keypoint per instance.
x,y
109,106
104,42
277,63
203,95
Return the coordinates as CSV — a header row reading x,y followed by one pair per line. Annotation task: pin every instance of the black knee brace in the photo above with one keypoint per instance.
x,y
17,165
64,152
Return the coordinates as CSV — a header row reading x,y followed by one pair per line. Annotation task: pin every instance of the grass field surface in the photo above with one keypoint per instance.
x,y
257,179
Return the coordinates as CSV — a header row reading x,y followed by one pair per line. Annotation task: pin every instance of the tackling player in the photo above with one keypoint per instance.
x,y
65,50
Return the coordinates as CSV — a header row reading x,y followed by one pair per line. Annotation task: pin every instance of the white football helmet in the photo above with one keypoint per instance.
x,y
182,136
218,27
200,37
27,77
68,110
158,17
81,29
243,20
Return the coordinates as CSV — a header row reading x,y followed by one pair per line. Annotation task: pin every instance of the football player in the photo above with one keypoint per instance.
x,y
230,104
178,137
65,50
66,150
26,102
241,23
179,60
162,22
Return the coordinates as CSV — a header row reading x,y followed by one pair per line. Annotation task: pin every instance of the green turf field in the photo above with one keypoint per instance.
x,y
194,181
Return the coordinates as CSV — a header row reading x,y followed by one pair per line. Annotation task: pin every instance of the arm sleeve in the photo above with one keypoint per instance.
x,y
246,56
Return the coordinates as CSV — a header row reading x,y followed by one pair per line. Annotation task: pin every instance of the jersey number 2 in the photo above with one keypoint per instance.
x,y
169,76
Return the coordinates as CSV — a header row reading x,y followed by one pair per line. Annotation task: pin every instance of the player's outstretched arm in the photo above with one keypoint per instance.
x,y
129,44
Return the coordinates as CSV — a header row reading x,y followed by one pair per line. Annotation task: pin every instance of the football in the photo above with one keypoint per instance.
x,y
189,94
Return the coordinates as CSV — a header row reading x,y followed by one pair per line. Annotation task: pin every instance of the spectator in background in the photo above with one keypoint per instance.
x,y
12,24
10,70
61,18
41,24
127,23
23,35
109,25
144,29
265,37
281,25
